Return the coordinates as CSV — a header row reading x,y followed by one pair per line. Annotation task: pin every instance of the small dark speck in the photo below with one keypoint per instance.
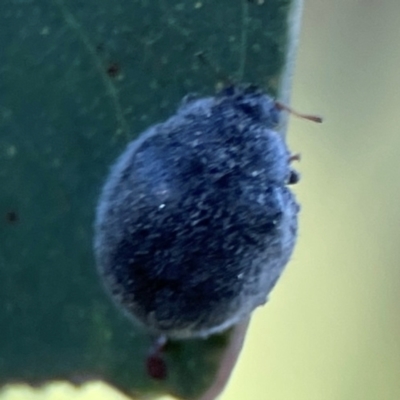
x,y
100,47
113,70
11,217
156,367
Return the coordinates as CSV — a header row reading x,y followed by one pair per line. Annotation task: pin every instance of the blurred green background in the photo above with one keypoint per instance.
x,y
332,328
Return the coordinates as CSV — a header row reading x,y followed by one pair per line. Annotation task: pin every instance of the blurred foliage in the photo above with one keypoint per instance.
x,y
77,81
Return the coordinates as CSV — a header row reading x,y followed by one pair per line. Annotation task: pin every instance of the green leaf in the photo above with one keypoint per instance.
x,y
78,80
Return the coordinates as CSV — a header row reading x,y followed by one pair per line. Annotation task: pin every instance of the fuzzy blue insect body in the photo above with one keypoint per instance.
x,y
196,222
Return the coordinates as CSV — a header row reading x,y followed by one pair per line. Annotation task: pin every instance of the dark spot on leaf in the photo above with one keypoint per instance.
x,y
100,47
113,70
156,367
11,217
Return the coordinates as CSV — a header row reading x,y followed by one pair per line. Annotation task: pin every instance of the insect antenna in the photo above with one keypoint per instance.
x,y
310,117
